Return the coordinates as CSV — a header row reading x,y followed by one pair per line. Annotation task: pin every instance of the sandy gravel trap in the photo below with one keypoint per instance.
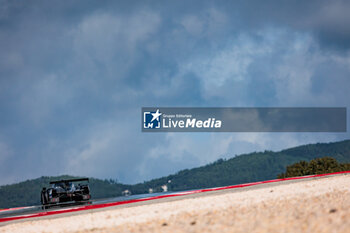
x,y
321,205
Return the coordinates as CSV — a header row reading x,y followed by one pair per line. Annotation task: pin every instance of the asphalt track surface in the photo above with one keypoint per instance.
x,y
31,213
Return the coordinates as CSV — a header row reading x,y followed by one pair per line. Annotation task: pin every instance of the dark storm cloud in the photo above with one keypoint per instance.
x,y
75,74
327,20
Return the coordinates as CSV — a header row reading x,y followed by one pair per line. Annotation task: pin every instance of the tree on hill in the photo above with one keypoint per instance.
x,y
315,166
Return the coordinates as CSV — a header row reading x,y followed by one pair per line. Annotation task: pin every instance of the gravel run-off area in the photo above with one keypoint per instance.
x,y
321,205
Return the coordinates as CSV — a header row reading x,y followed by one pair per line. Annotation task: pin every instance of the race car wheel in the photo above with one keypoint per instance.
x,y
43,201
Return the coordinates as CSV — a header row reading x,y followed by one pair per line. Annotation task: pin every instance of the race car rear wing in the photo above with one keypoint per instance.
x,y
70,180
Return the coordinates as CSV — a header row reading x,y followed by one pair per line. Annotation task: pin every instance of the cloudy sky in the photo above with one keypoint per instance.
x,y
75,74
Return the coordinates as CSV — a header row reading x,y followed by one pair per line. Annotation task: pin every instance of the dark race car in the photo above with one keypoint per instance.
x,y
65,192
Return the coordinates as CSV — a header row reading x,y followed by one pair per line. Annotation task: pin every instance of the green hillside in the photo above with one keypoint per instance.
x,y
244,168
251,167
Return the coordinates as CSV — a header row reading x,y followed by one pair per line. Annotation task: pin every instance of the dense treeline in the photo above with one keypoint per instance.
x,y
316,166
244,168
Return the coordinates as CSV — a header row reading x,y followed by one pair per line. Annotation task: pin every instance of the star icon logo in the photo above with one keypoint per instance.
x,y
156,115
